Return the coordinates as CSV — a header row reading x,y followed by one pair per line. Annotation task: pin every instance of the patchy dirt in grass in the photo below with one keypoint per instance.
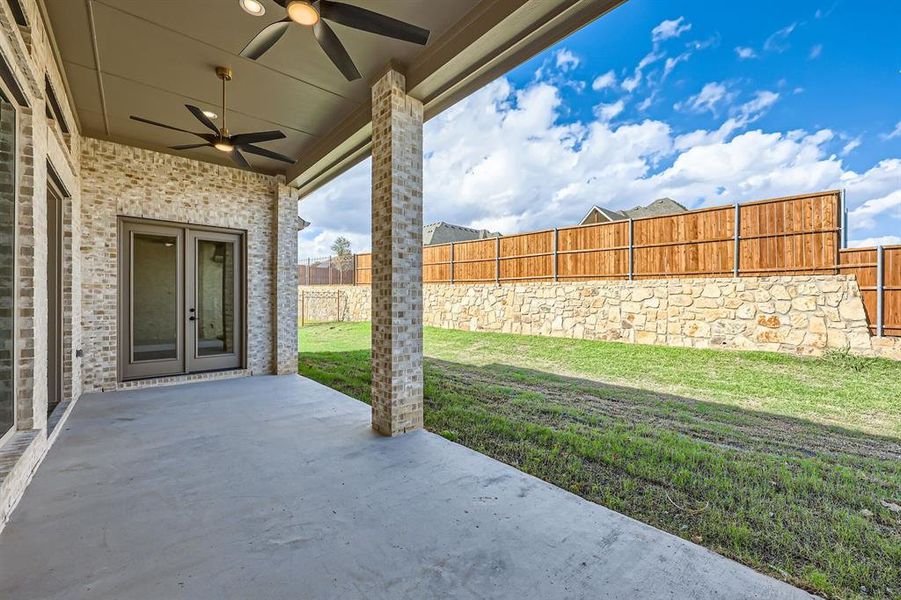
x,y
587,401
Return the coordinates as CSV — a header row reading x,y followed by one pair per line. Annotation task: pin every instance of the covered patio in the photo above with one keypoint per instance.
x,y
277,487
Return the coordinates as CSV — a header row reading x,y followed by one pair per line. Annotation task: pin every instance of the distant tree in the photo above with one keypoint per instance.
x,y
343,255
341,247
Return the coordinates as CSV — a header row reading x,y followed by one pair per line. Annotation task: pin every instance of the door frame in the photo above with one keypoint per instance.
x,y
215,362
124,222
150,368
16,99
56,261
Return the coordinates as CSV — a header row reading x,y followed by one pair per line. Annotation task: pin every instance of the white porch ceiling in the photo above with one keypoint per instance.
x,y
150,57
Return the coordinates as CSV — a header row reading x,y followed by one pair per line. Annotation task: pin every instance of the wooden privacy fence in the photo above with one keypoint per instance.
x,y
794,235
878,272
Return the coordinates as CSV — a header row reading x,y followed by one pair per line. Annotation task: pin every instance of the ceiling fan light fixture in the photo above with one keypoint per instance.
x,y
302,12
223,146
253,7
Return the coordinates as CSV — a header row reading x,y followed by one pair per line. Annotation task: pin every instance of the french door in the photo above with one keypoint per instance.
x,y
181,299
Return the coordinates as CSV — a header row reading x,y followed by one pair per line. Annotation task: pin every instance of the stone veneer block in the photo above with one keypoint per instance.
x,y
396,257
802,315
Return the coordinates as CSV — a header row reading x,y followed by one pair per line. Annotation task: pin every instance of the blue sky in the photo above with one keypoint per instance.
x,y
705,102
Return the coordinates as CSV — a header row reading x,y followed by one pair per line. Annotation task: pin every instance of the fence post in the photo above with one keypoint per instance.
x,y
880,290
309,275
330,270
737,244
843,206
556,241
452,263
353,273
631,249
497,261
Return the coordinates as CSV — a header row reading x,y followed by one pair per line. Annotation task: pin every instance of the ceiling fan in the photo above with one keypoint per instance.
x,y
315,13
220,139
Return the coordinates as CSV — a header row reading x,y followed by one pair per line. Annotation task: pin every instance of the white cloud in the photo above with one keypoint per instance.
x,y
606,112
762,100
505,159
671,63
669,29
815,51
851,146
745,53
630,83
865,215
778,41
646,103
604,81
881,240
707,99
896,132
566,60
822,14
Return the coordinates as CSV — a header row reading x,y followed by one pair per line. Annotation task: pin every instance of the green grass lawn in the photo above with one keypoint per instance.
x,y
781,463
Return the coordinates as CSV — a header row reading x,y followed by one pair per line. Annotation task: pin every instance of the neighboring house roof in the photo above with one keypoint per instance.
x,y
603,215
443,233
657,208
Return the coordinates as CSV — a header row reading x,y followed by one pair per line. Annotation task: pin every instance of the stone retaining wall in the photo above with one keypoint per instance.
x,y
800,315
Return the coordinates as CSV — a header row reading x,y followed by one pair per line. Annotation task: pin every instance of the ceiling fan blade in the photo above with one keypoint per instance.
x,y
335,50
189,146
149,122
203,118
373,22
240,160
257,136
267,153
265,39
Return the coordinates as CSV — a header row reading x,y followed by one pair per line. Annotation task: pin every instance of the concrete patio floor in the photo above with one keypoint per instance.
x,y
275,487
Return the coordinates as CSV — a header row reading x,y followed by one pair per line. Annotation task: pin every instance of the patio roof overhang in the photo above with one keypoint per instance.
x,y
124,57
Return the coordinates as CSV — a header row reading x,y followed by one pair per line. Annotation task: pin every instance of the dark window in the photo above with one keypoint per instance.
x,y
18,12
54,110
7,261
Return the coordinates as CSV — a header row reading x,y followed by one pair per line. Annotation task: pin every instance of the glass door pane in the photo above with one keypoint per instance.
x,y
215,297
152,300
214,300
155,297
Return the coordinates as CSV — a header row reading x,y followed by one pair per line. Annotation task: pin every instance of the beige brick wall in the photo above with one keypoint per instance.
x,y
396,257
101,181
40,141
799,315
122,181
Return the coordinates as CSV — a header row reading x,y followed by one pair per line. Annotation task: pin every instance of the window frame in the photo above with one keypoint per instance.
x,y
10,97
18,11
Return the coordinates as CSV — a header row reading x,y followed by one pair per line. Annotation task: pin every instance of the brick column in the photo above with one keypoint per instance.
x,y
285,286
396,257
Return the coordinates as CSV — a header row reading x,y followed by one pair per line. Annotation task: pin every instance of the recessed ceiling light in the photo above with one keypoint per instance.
x,y
302,12
210,114
253,7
